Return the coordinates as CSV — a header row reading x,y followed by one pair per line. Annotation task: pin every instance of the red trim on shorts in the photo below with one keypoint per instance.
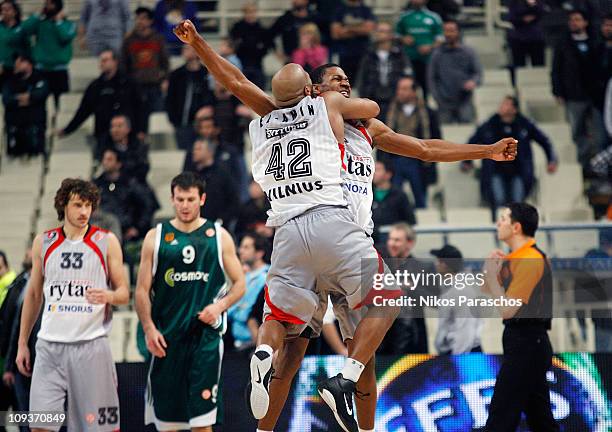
x,y
59,241
365,133
342,152
387,294
87,240
276,314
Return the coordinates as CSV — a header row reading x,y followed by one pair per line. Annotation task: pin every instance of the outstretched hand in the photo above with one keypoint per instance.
x,y
504,150
186,32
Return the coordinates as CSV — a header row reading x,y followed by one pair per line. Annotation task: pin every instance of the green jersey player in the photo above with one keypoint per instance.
x,y
181,298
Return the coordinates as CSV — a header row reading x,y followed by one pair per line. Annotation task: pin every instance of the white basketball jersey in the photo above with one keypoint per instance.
x,y
70,268
297,160
358,173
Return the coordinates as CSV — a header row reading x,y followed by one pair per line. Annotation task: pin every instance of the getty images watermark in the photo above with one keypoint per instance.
x,y
441,287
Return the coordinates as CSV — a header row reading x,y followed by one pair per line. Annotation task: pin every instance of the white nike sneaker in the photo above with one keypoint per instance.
x,y
257,396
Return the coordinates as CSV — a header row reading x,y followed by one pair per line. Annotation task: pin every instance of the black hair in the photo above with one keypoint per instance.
x,y
17,9
144,10
387,164
453,21
316,76
514,100
110,50
261,244
23,55
526,215
608,16
578,11
186,181
4,258
415,84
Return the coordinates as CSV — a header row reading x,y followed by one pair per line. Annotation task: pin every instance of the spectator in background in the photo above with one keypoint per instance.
x,y
109,94
227,51
221,191
287,27
253,214
421,31
447,9
459,327
408,334
25,109
253,251
390,204
511,181
103,25
52,50
124,197
606,54
576,82
12,39
608,109
133,153
409,115
10,317
232,119
251,41
526,37
382,68
145,61
187,93
326,11
310,54
7,276
350,30
454,72
168,14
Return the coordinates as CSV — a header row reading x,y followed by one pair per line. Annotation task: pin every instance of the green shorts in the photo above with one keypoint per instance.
x,y
183,388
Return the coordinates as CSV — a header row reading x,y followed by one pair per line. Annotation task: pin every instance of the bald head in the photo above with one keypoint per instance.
x,y
289,85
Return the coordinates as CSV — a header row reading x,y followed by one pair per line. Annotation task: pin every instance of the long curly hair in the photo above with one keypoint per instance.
x,y
70,187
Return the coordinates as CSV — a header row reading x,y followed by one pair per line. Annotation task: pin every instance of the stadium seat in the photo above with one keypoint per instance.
x,y
161,131
572,244
427,242
532,76
497,78
165,165
471,245
459,189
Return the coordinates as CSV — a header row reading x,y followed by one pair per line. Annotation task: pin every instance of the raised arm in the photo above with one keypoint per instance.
x,y
437,150
226,73
351,108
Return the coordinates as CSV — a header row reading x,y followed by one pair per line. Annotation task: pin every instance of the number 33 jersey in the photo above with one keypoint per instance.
x,y
297,160
70,268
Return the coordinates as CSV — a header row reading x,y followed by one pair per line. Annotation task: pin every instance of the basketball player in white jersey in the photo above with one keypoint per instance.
x,y
358,162
77,270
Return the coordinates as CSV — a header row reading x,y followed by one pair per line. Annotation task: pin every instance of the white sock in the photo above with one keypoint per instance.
x,y
352,370
266,348
366,430
261,430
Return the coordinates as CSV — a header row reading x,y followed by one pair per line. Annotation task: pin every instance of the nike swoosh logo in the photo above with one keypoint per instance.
x,y
258,380
349,407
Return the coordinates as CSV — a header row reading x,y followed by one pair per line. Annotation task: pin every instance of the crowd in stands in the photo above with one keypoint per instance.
x,y
403,65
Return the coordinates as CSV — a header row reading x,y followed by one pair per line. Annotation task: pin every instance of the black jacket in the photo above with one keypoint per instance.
x,y
393,209
10,310
178,83
134,159
251,42
251,214
105,98
369,78
525,132
221,194
36,111
287,26
129,201
576,76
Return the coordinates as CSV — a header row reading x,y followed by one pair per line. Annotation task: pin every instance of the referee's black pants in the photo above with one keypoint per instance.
x,y
521,385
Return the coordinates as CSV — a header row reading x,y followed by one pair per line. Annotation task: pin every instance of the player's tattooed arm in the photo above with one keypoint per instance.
x,y
437,150
233,268
31,308
156,343
226,73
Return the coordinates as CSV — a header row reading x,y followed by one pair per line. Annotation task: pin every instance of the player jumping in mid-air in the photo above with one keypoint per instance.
x,y
358,146
79,269
181,299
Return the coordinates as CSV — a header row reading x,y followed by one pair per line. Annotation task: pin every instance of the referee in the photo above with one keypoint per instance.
x,y
524,274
